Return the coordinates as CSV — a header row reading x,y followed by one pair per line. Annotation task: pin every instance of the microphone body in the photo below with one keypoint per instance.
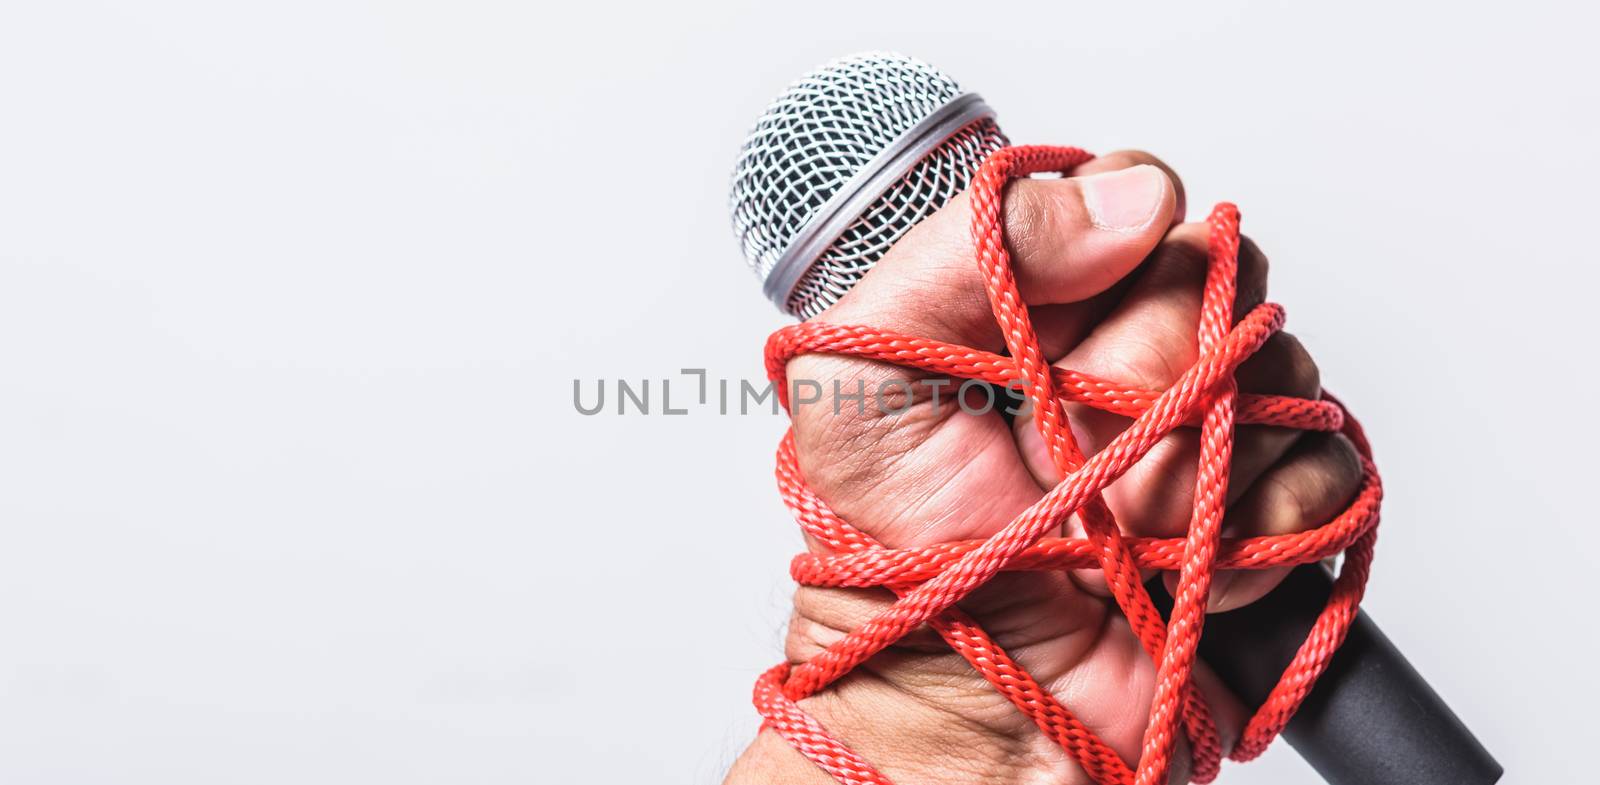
x,y
856,153
1370,719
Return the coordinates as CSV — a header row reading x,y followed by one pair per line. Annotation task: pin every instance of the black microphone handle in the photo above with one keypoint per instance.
x,y
1370,720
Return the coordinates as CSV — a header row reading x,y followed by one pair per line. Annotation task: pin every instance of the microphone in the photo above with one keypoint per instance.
x,y
843,164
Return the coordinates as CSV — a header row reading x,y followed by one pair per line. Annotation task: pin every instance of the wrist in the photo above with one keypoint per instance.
x,y
918,711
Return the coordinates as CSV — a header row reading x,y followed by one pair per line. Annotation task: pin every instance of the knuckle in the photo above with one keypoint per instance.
x,y
1036,214
1345,463
1295,371
1186,253
1253,273
1182,257
1127,158
1139,157
1321,482
1252,260
1283,366
1148,359
1301,374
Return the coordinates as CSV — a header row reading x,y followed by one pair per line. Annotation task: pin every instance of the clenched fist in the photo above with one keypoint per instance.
x,y
1112,279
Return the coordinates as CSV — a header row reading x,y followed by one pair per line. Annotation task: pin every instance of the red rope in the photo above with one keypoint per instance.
x,y
930,581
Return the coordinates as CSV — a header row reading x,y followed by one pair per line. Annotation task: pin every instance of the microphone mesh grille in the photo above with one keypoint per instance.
x,y
821,132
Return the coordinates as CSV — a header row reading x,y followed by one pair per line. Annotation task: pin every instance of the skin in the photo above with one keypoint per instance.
x,y
1112,277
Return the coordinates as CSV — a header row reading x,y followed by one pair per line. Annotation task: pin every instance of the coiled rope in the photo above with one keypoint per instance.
x,y
930,581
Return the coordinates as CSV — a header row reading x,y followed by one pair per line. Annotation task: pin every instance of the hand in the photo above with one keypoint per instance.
x,y
1112,279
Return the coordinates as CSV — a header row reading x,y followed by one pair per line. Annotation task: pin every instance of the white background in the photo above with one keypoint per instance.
x,y
291,300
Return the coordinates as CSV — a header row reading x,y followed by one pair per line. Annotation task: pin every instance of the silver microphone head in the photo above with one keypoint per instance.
x,y
843,163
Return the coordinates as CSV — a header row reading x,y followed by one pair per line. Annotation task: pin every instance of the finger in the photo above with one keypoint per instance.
x,y
1060,327
1309,487
1123,159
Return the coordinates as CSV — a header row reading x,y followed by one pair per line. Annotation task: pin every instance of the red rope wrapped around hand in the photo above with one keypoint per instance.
x,y
930,581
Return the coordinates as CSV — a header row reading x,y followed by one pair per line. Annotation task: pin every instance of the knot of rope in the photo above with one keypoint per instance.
x,y
930,581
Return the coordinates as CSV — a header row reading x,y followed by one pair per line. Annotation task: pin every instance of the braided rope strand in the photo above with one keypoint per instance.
x,y
929,581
